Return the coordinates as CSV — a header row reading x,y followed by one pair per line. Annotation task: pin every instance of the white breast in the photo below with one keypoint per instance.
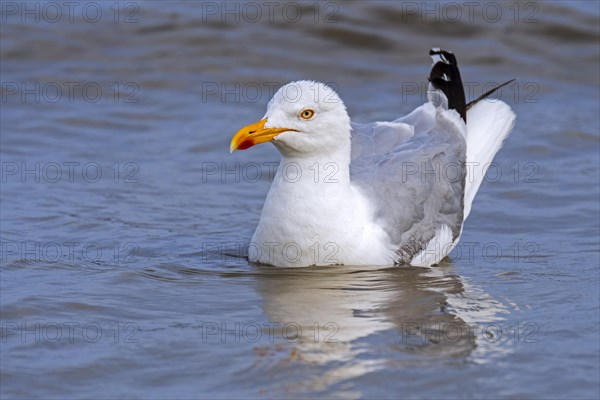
x,y
316,222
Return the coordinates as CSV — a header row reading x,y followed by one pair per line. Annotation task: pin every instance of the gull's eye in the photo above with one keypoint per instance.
x,y
307,113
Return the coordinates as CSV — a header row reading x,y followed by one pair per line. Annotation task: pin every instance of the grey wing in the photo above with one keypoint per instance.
x,y
413,169
377,137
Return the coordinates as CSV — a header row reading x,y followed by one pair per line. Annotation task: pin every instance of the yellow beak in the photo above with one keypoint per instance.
x,y
254,134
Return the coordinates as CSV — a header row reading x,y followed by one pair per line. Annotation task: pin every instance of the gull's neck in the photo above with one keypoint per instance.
x,y
328,169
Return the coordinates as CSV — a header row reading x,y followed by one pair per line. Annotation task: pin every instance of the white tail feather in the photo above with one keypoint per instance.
x,y
489,123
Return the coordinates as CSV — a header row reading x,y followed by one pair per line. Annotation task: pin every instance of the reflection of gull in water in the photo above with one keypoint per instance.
x,y
332,309
481,312
353,321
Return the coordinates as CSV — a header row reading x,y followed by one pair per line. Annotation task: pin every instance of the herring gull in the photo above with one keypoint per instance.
x,y
374,194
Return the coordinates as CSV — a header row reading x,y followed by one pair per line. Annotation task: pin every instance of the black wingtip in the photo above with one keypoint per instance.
x,y
445,76
445,56
488,93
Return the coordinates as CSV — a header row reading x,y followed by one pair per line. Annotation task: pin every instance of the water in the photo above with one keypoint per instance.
x,y
124,216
